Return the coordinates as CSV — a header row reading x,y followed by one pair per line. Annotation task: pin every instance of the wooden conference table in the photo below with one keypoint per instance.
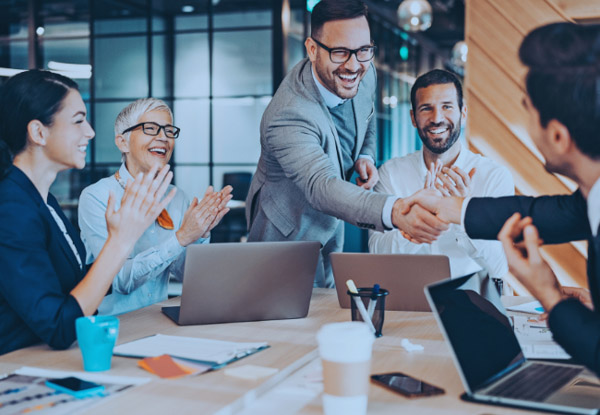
x,y
293,345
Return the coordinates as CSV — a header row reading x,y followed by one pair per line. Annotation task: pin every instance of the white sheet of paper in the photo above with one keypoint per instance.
x,y
533,307
536,340
250,372
193,348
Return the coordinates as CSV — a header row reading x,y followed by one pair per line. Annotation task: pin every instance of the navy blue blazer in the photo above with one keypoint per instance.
x,y
559,219
38,269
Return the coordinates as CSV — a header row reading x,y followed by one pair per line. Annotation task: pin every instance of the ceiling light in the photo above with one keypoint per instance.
x,y
459,53
40,30
72,70
414,15
404,52
187,8
74,67
310,4
10,71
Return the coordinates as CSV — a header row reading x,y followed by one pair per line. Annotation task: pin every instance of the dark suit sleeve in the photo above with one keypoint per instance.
x,y
577,329
29,284
559,219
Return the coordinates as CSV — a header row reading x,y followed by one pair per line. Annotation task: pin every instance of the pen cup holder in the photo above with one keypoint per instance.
x,y
367,296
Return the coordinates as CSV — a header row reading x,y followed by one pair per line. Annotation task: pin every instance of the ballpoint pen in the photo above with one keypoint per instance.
x,y
373,301
359,305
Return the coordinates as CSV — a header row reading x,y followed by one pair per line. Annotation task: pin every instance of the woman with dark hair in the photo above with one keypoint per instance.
x,y
44,286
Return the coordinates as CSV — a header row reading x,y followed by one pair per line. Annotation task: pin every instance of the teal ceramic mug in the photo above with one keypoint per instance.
x,y
96,336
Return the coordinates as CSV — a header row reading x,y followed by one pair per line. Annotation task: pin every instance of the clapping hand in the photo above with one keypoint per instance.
x,y
202,216
141,204
449,181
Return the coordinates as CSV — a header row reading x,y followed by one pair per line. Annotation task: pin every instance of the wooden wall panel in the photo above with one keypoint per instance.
x,y
492,32
499,92
494,139
494,88
580,10
529,14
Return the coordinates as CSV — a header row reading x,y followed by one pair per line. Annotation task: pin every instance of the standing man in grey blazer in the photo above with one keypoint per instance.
x,y
317,130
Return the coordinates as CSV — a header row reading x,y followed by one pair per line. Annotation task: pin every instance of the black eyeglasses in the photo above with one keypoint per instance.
x,y
343,55
152,128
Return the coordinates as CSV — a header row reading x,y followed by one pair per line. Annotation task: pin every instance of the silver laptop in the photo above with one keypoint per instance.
x,y
404,276
490,361
233,282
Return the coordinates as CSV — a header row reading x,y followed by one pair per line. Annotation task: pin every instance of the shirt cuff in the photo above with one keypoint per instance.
x,y
172,248
463,211
202,241
386,214
366,156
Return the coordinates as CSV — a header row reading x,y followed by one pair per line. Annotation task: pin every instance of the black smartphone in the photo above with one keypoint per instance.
x,y
406,385
74,386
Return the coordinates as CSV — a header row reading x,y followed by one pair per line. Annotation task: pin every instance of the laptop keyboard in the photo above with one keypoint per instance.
x,y
535,383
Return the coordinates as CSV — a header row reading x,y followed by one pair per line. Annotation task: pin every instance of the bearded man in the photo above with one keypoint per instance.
x,y
437,113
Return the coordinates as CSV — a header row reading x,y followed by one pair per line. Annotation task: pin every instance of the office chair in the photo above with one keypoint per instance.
x,y
233,226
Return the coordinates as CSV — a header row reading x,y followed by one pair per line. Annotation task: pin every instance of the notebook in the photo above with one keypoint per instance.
x,y
233,282
489,358
215,353
404,276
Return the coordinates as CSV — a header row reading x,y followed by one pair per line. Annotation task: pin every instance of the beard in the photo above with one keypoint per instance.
x,y
441,146
335,84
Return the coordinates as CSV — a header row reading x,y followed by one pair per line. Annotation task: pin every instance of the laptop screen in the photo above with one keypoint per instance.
x,y
477,328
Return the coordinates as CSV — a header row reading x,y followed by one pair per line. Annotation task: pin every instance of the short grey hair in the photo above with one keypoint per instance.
x,y
130,115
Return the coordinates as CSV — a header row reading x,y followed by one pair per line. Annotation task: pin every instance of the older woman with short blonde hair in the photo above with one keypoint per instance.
x,y
146,136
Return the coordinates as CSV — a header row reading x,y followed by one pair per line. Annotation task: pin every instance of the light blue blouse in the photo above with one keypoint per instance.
x,y
157,255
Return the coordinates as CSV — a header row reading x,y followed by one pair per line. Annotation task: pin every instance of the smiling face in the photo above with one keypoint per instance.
x,y
66,140
143,151
438,117
340,78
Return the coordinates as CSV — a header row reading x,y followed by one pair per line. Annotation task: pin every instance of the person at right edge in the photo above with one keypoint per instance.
x,y
563,104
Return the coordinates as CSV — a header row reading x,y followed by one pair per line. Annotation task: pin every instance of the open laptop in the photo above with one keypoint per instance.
x,y
233,282
490,361
404,276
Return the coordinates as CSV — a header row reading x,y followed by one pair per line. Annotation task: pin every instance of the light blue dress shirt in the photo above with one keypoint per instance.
x,y
157,255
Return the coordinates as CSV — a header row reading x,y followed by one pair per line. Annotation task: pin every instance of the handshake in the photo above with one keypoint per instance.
x,y
422,217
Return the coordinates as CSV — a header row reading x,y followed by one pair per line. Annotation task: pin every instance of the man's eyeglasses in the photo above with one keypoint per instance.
x,y
343,55
152,128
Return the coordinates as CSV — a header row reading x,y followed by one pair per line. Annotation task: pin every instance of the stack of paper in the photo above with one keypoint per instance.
x,y
25,391
536,340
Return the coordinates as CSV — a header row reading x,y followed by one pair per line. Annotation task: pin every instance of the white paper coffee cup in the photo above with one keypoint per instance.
x,y
345,350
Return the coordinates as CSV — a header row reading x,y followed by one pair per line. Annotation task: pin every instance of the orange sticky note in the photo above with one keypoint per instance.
x,y
163,366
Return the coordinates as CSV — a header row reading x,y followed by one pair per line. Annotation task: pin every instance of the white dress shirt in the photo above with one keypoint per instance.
x,y
593,207
406,175
156,256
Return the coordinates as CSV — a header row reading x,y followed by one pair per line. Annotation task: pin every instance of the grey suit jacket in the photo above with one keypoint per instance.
x,y
299,183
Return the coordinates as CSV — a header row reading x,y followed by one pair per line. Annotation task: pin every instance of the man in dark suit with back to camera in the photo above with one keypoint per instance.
x,y
317,130
563,103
